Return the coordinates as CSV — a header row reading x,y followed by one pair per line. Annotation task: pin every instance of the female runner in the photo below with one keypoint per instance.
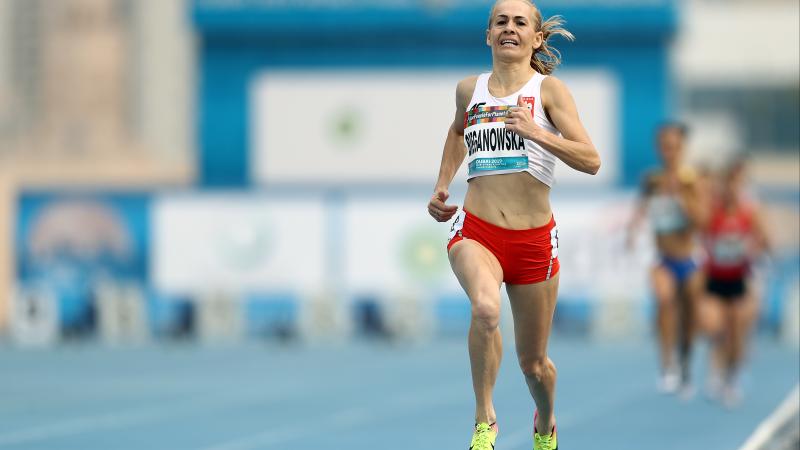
x,y
511,124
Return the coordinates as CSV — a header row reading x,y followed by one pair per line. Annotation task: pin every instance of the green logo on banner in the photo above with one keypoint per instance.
x,y
423,254
346,127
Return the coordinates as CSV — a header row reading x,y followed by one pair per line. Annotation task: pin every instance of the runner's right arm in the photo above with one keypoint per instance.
x,y
452,155
640,209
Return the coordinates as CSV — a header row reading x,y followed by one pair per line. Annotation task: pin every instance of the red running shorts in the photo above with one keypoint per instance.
x,y
526,256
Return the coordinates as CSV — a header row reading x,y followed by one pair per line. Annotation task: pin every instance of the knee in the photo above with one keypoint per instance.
x,y
711,327
665,306
486,311
538,369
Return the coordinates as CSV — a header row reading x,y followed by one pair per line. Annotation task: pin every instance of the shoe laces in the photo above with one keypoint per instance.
x,y
543,442
482,440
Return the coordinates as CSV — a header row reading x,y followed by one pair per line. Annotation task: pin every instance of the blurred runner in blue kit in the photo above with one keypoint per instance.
x,y
674,201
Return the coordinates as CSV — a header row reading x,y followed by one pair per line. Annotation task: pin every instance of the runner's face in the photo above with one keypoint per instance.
x,y
670,144
735,180
511,33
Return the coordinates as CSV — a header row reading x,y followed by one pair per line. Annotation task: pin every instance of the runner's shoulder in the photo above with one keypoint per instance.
x,y
465,89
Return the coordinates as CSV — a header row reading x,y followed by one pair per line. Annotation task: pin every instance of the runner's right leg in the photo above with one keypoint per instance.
x,y
480,274
690,293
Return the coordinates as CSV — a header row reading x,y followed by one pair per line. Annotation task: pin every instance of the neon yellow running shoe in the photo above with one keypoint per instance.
x,y
544,441
484,437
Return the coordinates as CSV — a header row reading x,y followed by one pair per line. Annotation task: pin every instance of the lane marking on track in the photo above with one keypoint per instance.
x,y
347,418
766,429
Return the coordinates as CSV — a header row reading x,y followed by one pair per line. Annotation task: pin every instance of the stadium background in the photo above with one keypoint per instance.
x,y
229,172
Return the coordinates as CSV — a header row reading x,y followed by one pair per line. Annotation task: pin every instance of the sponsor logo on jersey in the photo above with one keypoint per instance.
x,y
485,114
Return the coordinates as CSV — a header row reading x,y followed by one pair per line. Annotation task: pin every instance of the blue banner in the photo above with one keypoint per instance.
x,y
69,243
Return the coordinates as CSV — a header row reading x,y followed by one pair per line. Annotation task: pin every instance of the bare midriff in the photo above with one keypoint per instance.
x,y
676,245
515,201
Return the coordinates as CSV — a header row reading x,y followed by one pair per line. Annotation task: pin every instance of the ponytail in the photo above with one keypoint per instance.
x,y
545,59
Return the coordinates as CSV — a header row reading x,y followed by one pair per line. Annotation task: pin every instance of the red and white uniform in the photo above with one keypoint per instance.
x,y
729,242
526,256
493,150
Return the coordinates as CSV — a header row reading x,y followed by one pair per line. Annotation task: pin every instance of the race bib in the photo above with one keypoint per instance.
x,y
729,250
490,146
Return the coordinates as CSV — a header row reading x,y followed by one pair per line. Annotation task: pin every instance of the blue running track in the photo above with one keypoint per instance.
x,y
362,396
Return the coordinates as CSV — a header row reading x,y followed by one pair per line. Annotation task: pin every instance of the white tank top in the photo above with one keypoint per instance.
x,y
491,150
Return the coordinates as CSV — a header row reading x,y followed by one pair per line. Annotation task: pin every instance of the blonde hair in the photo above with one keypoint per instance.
x,y
544,59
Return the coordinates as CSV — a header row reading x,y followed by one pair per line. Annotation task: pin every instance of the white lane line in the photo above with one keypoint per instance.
x,y
788,408
343,418
347,418
130,417
82,425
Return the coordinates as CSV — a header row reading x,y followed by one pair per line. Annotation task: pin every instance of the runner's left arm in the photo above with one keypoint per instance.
x,y
763,239
574,147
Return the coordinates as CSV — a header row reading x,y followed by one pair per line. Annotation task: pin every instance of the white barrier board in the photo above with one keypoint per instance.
x,y
237,243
